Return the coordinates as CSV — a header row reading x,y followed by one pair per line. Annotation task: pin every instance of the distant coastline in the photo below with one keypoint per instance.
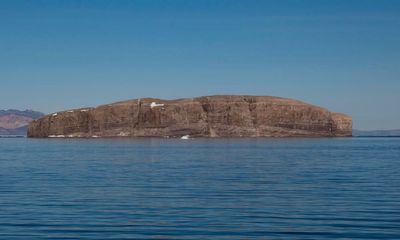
x,y
14,123
376,133
12,136
376,136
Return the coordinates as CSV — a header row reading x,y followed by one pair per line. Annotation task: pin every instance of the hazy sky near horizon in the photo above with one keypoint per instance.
x,y
342,55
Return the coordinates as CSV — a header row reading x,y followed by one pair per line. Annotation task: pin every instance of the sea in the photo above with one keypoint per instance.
x,y
248,188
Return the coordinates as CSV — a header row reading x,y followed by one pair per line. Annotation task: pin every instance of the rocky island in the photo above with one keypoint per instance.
x,y
211,116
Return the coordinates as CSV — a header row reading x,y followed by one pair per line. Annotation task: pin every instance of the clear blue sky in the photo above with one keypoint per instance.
x,y
342,55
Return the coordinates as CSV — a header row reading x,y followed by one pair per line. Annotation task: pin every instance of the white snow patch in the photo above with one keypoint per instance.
x,y
84,110
70,111
185,137
56,136
123,134
55,114
95,136
154,104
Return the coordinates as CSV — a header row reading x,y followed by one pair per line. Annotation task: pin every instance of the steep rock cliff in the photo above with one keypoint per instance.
x,y
213,116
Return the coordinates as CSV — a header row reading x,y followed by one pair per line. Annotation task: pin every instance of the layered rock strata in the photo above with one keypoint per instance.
x,y
212,116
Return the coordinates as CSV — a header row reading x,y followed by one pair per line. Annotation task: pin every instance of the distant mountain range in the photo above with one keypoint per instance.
x,y
15,122
377,133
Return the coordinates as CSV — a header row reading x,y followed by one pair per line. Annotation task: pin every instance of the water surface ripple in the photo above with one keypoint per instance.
x,y
200,189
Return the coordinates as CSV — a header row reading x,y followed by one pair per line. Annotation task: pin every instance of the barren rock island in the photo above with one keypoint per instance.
x,y
210,116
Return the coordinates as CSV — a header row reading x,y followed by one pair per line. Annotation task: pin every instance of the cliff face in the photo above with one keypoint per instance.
x,y
214,116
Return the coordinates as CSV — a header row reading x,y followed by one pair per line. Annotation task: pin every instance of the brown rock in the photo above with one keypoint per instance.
x,y
213,116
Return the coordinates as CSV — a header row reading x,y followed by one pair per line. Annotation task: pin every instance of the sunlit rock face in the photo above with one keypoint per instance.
x,y
212,116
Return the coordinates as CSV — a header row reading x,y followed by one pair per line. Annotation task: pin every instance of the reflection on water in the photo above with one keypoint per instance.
x,y
200,188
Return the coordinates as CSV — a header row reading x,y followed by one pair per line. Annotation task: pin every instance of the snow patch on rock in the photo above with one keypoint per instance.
x,y
185,137
56,136
123,134
154,104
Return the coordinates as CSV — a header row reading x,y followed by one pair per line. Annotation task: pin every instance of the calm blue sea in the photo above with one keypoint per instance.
x,y
345,188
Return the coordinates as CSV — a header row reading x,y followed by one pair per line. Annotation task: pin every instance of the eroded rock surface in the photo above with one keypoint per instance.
x,y
213,116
